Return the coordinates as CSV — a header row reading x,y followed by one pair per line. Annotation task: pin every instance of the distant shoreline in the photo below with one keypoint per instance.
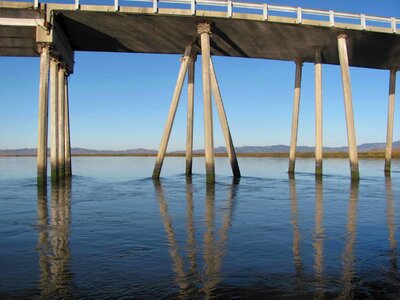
x,y
372,155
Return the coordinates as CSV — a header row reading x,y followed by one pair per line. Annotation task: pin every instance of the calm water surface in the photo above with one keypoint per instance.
x,y
113,232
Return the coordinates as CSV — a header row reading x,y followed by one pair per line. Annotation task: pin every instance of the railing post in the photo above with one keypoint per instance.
x,y
299,15
265,12
331,18
116,5
363,22
155,6
35,4
76,6
229,8
393,25
193,7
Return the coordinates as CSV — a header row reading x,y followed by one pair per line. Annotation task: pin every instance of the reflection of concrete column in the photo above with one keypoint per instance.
x,y
318,113
230,149
44,50
171,114
298,264
348,103
178,264
390,209
204,30
348,253
190,108
389,134
319,239
191,240
43,241
295,116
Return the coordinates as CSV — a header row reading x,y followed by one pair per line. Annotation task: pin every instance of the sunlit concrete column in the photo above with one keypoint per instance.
x,y
68,167
224,122
204,30
171,114
318,113
389,134
61,121
351,134
190,109
44,50
295,116
54,118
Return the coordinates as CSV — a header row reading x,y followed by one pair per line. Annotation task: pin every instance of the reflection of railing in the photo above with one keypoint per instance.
x,y
265,10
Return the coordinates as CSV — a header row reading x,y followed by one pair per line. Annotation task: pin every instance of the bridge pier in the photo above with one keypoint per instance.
x,y
224,122
54,134
204,30
190,110
295,117
61,121
318,114
172,112
351,134
44,50
67,148
389,134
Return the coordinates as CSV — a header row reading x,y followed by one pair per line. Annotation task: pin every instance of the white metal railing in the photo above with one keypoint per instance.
x,y
265,10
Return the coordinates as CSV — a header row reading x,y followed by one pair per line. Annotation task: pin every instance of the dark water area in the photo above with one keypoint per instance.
x,y
112,232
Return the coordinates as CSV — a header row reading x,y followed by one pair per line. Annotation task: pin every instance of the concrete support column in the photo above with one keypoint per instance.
x,y
61,121
351,134
318,113
54,118
171,114
224,122
44,50
190,108
204,30
389,134
295,116
68,167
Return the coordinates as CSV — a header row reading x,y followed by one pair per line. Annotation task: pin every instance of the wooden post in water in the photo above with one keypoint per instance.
x,y
68,167
224,122
204,30
318,113
190,109
389,134
44,50
351,134
61,121
54,118
171,114
295,117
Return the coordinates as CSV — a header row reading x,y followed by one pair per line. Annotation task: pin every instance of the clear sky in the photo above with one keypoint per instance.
x,y
121,101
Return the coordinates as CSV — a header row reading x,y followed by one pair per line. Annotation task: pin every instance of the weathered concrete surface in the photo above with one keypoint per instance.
x,y
132,29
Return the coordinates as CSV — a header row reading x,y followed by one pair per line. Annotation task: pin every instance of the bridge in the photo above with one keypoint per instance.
x,y
54,31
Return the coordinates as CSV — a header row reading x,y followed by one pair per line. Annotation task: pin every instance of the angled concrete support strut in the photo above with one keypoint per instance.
x,y
389,134
190,108
351,133
44,50
295,117
171,114
318,113
224,122
204,30
54,118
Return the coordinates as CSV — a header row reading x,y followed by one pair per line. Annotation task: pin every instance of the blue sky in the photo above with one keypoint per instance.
x,y
121,100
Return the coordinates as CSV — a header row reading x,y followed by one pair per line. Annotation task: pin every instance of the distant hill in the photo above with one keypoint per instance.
x,y
369,147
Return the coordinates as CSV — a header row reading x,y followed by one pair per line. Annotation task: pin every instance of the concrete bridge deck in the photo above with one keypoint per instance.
x,y
142,30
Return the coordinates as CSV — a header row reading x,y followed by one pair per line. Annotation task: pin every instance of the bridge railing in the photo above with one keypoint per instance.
x,y
265,10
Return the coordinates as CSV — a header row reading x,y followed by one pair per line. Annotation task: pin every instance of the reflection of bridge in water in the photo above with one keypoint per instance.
x,y
198,265
55,31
